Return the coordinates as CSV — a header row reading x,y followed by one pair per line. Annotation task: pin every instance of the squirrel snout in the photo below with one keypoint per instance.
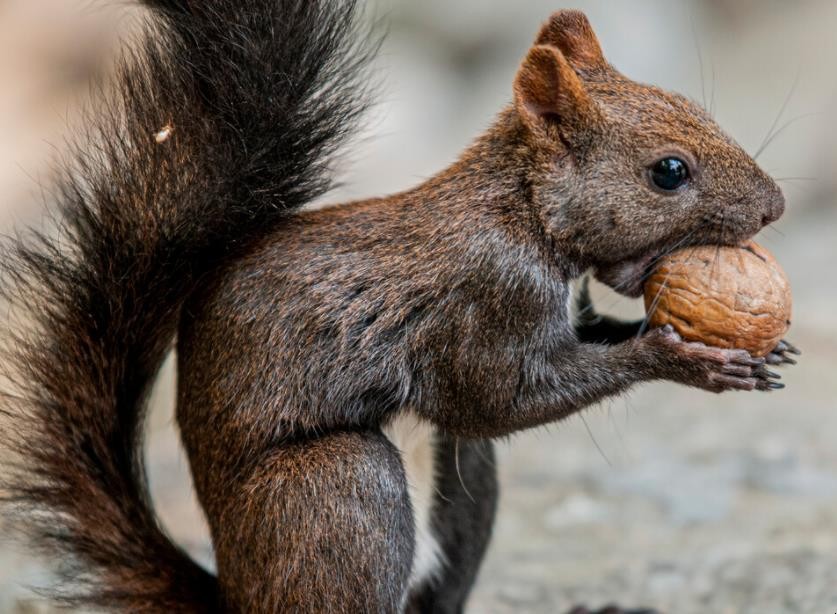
x,y
774,208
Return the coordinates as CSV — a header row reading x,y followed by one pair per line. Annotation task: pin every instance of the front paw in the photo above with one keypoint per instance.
x,y
709,368
780,355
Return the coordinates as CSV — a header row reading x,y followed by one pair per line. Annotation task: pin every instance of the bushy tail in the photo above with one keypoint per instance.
x,y
227,116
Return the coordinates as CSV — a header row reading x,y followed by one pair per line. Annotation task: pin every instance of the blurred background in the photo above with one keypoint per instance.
x,y
669,497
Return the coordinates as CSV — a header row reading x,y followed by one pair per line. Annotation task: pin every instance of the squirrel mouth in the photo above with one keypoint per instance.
x,y
627,277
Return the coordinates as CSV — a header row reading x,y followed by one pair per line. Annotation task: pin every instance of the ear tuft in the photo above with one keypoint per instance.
x,y
571,32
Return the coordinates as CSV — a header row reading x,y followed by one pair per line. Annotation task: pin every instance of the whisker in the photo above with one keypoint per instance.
x,y
652,308
796,179
667,253
781,130
700,62
776,230
770,133
799,186
650,270
716,263
716,260
768,239
649,313
712,96
459,471
615,425
596,443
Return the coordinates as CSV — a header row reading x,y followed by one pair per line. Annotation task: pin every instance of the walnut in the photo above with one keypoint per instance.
x,y
728,297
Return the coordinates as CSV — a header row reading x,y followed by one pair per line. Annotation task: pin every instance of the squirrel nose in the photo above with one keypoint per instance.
x,y
774,209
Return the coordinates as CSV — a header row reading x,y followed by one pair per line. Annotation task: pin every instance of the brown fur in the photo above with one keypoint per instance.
x,y
449,300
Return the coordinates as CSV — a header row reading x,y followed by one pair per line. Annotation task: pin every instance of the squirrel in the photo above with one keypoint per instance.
x,y
341,371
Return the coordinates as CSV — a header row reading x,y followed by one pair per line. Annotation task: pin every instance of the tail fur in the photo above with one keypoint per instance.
x,y
227,117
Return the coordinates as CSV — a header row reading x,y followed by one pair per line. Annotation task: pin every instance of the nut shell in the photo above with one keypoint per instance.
x,y
728,297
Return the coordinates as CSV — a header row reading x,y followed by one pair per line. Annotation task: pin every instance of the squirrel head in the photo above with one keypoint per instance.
x,y
624,172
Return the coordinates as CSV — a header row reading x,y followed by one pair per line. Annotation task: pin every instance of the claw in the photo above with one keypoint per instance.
x,y
787,346
668,331
769,386
774,359
778,360
764,372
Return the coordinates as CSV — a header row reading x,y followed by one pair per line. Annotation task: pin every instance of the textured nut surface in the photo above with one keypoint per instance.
x,y
725,297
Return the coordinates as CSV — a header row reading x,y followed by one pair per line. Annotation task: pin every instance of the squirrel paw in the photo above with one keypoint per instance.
x,y
612,609
779,356
709,368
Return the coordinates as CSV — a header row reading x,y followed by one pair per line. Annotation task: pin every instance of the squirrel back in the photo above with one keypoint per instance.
x,y
301,335
226,117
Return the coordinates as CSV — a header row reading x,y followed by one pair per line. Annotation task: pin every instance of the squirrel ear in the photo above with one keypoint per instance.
x,y
572,33
548,90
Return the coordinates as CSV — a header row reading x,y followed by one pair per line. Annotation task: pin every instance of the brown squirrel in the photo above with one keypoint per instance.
x,y
341,371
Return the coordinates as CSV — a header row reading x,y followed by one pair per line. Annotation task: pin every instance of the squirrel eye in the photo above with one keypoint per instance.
x,y
669,174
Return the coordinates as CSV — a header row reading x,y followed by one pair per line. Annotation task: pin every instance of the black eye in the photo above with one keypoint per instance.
x,y
669,174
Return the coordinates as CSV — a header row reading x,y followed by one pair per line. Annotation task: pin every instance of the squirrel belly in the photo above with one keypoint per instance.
x,y
415,440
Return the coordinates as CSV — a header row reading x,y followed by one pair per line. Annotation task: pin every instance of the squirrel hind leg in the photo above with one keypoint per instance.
x,y
318,525
462,517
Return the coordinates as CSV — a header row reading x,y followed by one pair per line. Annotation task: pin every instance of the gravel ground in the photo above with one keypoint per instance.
x,y
671,498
